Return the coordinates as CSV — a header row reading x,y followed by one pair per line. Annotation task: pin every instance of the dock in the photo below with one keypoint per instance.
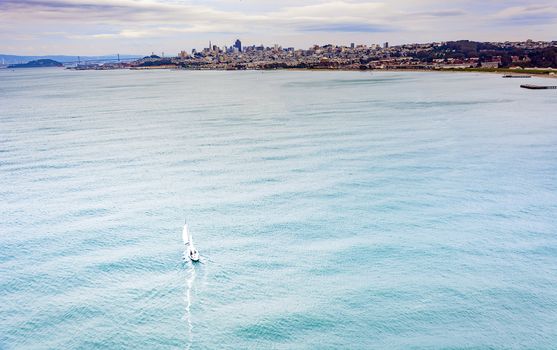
x,y
516,76
537,87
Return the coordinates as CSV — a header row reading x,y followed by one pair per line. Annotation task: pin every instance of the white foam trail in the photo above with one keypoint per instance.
x,y
188,299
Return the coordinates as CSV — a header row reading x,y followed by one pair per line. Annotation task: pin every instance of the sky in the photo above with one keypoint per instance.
x,y
98,27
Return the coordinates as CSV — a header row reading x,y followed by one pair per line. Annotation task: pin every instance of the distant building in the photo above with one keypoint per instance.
x,y
238,45
386,45
493,64
352,45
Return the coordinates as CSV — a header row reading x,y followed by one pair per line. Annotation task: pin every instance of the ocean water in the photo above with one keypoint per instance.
x,y
331,210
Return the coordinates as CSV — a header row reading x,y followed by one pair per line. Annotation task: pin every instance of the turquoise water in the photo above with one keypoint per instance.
x,y
331,210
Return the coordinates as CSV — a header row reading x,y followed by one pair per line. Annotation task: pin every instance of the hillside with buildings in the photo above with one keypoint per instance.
x,y
462,54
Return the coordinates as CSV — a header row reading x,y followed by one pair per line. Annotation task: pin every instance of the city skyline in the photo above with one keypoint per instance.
x,y
42,27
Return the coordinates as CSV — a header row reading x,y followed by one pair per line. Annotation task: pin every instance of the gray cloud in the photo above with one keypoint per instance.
x,y
117,24
443,13
348,28
527,15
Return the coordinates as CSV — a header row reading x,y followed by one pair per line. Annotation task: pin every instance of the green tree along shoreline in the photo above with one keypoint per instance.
x,y
542,57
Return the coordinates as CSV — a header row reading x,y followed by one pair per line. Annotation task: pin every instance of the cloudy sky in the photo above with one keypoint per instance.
x,y
91,27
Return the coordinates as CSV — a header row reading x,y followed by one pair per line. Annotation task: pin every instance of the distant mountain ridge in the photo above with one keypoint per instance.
x,y
15,59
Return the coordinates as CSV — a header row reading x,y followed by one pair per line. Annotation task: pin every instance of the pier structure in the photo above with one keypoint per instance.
x,y
538,87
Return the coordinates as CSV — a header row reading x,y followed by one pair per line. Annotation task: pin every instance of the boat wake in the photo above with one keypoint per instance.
x,y
190,279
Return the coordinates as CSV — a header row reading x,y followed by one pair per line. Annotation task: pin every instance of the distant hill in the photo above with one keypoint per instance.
x,y
37,64
15,59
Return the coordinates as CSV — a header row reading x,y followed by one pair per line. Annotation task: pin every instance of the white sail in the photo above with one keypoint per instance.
x,y
190,242
186,234
186,237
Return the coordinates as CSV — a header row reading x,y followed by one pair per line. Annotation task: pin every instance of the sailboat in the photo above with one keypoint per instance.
x,y
193,254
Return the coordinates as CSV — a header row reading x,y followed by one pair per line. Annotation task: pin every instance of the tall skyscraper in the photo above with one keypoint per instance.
x,y
238,45
386,45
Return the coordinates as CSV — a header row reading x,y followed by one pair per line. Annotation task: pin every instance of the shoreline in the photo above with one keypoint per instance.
x,y
503,72
499,71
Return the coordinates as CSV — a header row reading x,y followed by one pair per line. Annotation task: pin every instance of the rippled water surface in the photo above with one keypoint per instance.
x,y
331,209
